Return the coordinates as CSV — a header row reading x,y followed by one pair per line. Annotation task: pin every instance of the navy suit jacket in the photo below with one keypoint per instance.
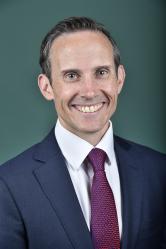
x,y
40,210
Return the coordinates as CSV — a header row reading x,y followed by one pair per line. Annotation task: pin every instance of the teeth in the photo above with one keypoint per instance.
x,y
89,109
92,109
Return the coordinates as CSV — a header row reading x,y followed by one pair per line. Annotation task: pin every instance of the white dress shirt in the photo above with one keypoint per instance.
x,y
75,151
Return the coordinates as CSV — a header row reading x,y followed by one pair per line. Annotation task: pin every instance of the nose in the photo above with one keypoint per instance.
x,y
89,88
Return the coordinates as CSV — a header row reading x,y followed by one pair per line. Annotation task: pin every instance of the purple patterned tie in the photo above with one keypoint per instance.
x,y
104,221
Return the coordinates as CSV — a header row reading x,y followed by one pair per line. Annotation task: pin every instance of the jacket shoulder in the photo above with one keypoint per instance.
x,y
138,149
20,163
30,159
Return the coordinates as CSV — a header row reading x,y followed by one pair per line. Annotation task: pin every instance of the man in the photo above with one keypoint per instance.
x,y
82,187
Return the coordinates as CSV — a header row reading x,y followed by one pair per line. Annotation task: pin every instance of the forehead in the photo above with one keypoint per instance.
x,y
81,47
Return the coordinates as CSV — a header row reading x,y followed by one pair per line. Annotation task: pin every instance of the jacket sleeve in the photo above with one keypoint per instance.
x,y
12,234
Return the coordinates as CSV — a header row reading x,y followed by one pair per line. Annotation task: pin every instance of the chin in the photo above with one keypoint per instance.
x,y
91,129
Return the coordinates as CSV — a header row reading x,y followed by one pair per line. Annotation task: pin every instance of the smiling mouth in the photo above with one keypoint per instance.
x,y
89,108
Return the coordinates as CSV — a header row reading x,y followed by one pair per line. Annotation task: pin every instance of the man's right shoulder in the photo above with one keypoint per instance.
x,y
28,160
23,161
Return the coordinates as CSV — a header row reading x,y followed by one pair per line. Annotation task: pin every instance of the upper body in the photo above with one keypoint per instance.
x,y
39,208
40,205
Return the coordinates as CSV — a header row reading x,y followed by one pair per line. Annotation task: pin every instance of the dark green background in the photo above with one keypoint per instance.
x,y
138,27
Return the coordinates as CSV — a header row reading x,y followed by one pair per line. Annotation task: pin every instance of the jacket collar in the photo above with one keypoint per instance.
x,y
131,179
55,182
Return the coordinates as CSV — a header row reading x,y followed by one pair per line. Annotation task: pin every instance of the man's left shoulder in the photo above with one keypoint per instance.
x,y
140,151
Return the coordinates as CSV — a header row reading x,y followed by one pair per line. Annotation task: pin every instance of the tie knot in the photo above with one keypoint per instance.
x,y
97,158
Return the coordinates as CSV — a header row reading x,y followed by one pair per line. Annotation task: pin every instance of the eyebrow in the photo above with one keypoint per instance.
x,y
65,71
75,70
103,66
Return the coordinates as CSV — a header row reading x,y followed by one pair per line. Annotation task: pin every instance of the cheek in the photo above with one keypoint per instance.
x,y
62,98
64,90
111,90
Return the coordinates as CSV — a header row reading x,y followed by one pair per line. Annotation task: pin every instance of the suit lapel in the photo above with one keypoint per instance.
x,y
56,184
131,179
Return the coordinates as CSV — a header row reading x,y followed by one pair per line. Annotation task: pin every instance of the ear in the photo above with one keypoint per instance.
x,y
121,77
45,87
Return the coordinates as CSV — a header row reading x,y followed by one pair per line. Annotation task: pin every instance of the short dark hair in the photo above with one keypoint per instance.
x,y
71,25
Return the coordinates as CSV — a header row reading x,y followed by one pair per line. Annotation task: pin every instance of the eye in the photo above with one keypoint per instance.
x,y
71,76
102,73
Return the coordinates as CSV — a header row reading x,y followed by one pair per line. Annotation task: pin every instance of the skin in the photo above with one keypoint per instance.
x,y
83,79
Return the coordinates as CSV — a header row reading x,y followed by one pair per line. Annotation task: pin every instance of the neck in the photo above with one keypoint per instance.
x,y
92,137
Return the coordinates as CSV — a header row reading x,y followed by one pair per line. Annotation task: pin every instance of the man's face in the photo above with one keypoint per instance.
x,y
85,85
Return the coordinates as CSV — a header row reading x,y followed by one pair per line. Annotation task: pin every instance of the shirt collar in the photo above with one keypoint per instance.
x,y
107,143
76,151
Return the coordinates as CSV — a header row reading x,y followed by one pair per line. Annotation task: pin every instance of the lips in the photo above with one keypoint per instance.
x,y
89,108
